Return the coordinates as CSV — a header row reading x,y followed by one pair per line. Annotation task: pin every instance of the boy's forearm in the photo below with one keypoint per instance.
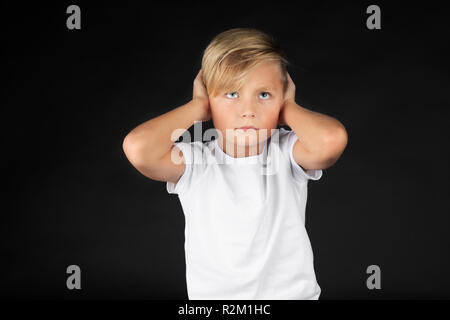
x,y
318,133
152,139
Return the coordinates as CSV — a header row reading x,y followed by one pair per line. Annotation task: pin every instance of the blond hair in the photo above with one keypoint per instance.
x,y
233,53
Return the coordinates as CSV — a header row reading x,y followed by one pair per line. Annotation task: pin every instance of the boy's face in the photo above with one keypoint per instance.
x,y
256,104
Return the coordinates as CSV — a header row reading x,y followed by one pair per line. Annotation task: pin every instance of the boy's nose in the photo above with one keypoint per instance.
x,y
248,114
248,110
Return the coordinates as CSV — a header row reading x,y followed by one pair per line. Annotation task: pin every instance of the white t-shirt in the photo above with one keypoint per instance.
x,y
245,235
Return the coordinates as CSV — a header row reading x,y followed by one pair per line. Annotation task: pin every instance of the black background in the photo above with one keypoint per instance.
x,y
71,96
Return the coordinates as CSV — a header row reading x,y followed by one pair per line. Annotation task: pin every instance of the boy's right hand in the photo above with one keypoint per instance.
x,y
201,94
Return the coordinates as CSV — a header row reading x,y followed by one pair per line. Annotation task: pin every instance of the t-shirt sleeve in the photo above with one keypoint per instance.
x,y
192,154
297,171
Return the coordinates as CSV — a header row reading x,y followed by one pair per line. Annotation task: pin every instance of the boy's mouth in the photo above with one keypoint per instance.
x,y
245,128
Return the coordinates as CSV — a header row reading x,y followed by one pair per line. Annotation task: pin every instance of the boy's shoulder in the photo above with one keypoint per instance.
x,y
195,151
284,133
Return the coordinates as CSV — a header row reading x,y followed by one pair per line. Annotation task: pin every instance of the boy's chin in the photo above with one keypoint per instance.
x,y
247,137
248,141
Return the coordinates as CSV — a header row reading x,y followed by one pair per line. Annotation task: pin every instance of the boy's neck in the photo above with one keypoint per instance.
x,y
237,151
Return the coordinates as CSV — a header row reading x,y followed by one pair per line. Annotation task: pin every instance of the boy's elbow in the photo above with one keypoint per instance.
x,y
336,139
339,138
132,148
335,145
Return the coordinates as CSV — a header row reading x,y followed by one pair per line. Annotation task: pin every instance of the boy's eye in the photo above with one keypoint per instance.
x,y
230,93
267,95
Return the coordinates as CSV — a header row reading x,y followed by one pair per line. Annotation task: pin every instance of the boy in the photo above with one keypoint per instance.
x,y
245,234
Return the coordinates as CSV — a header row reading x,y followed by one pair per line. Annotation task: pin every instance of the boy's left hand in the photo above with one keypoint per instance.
x,y
288,95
